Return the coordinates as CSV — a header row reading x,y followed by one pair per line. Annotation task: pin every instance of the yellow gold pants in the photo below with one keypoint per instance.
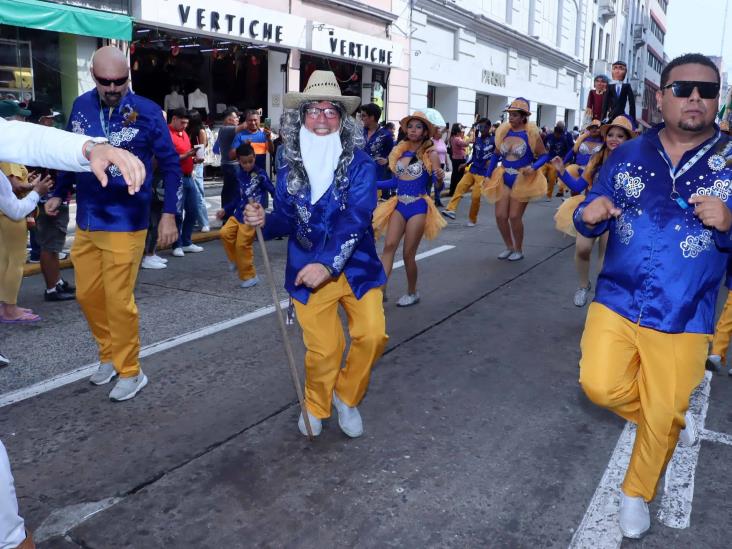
x,y
646,377
723,330
469,182
106,265
238,241
12,258
325,343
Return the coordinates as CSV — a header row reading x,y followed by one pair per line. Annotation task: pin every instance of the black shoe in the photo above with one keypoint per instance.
x,y
58,295
65,287
3,360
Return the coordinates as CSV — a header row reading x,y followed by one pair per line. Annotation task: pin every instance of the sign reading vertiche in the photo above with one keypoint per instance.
x,y
226,18
344,43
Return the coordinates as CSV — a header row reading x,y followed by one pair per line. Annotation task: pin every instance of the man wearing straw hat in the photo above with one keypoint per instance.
x,y
325,198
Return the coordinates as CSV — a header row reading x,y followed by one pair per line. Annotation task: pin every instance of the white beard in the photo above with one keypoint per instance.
x,y
320,155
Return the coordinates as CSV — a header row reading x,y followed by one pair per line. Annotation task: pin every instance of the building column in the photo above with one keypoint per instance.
x,y
75,53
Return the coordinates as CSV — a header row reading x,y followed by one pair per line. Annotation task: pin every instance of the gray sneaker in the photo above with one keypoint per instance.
x,y
104,374
128,387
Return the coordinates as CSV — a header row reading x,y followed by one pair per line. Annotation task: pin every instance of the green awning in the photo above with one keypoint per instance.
x,y
37,14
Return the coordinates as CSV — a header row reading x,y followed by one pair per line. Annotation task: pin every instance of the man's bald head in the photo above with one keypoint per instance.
x,y
111,74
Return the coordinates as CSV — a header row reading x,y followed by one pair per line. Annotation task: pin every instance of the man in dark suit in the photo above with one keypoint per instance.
x,y
618,94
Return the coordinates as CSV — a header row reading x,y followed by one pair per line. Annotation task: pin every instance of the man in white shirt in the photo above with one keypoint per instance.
x,y
51,148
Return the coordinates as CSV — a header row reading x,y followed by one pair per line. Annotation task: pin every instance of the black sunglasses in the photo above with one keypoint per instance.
x,y
684,88
108,82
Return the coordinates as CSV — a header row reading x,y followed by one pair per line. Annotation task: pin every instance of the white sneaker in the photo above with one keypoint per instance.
x,y
689,435
448,213
349,418
408,299
633,516
316,424
104,374
128,387
505,254
206,229
178,252
249,282
148,262
471,224
515,256
192,248
160,259
580,296
714,363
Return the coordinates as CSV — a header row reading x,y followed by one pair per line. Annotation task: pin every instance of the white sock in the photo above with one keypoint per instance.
x,y
715,358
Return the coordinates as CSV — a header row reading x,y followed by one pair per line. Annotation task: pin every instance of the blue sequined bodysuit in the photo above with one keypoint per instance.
x,y
521,151
410,192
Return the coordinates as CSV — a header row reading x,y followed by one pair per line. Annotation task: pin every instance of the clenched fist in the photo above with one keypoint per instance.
x,y
599,210
712,212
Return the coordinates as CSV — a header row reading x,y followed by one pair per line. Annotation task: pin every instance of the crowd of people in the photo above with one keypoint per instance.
x,y
657,202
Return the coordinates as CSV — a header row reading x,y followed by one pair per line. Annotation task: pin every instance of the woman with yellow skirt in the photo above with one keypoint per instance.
x,y
614,135
411,213
519,179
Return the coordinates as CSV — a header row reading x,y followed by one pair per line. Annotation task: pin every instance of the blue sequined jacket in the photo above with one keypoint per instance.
x,y
335,231
252,186
137,125
662,268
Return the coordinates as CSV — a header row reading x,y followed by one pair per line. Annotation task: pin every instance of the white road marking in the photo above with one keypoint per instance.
x,y
82,372
714,436
599,527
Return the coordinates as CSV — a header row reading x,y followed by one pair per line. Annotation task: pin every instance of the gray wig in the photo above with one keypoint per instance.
x,y
351,138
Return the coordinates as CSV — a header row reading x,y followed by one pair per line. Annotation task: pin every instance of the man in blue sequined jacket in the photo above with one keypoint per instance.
x,y
111,222
664,198
324,201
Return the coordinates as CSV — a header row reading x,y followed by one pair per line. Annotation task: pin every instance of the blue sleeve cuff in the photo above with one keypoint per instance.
x,y
585,230
540,161
723,240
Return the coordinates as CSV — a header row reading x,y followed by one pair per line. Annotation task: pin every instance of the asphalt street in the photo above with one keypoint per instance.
x,y
476,431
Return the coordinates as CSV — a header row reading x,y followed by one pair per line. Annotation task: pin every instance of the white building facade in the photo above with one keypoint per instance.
x,y
473,57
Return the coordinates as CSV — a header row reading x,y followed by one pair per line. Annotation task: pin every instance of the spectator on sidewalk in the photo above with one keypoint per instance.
x,y
150,259
189,201
226,135
237,237
20,142
199,141
112,221
51,230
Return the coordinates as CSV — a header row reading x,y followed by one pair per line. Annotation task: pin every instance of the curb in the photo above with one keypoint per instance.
x,y
30,269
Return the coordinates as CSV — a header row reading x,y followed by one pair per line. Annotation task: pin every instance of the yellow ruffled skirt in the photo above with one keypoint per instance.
x,y
524,189
434,222
564,218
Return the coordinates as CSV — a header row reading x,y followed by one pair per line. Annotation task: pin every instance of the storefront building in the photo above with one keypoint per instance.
x,y
249,54
46,47
498,51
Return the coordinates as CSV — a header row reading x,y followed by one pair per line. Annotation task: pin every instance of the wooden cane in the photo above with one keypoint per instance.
x,y
283,331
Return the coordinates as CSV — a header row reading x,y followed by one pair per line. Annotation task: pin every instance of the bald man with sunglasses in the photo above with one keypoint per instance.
x,y
111,222
664,199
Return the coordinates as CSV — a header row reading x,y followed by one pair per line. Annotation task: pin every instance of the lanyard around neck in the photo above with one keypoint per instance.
x,y
105,123
675,196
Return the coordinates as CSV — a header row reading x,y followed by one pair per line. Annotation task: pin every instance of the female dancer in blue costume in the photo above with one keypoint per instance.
x,y
411,213
518,180
615,134
584,148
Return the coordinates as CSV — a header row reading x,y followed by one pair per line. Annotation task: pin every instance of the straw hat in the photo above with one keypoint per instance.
x,y
417,115
322,86
519,105
621,121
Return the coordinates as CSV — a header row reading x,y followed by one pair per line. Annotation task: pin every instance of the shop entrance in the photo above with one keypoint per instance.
x,y
229,74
